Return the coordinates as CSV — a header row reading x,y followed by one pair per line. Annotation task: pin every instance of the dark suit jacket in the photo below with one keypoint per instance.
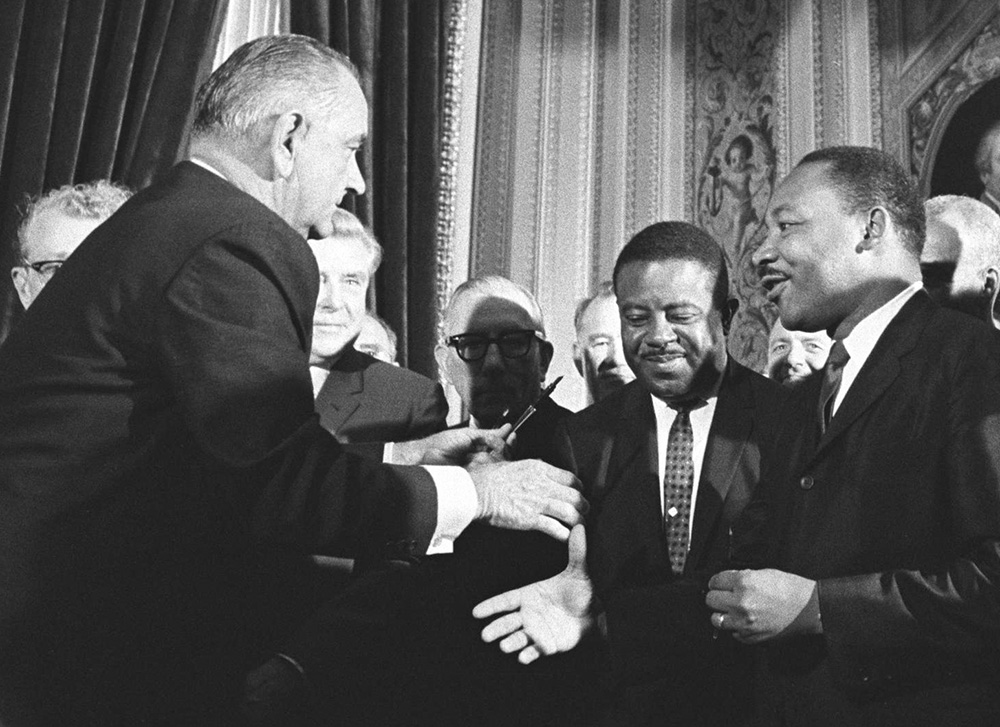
x,y
414,628
665,665
162,471
896,512
536,439
367,400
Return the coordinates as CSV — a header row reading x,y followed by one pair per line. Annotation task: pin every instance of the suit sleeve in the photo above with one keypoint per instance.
x,y
235,350
939,621
429,413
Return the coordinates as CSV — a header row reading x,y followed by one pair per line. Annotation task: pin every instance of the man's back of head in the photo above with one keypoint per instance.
x,y
282,119
53,226
960,261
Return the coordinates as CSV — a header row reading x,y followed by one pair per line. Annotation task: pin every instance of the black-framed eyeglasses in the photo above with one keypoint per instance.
x,y
44,267
511,344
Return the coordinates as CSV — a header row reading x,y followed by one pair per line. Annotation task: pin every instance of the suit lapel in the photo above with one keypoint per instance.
x,y
882,366
727,438
632,467
340,395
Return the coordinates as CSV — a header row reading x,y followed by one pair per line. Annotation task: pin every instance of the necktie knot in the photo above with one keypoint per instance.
x,y
832,373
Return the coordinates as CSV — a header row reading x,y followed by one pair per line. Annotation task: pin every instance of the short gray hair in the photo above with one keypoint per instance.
x,y
500,286
268,76
346,226
94,201
604,290
978,228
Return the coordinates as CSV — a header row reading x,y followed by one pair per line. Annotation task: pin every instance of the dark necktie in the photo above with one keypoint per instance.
x,y
678,485
832,373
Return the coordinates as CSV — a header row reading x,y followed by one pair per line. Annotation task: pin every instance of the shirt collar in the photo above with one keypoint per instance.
x,y
860,341
206,165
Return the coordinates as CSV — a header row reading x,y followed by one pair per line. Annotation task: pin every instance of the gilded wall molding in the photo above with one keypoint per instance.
x,y
978,63
451,113
875,74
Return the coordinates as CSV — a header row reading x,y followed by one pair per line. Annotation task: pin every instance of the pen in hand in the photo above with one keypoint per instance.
x,y
546,393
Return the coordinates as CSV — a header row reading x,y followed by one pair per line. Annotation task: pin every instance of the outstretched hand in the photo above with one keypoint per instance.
x,y
544,618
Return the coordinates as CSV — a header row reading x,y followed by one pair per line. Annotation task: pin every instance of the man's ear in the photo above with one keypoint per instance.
x,y
544,356
20,277
991,290
728,313
441,356
287,133
875,228
578,358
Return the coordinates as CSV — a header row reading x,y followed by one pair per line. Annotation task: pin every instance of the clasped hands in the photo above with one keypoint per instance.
x,y
523,495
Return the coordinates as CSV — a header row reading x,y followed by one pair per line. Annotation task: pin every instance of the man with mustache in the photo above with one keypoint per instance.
x,y
667,463
874,538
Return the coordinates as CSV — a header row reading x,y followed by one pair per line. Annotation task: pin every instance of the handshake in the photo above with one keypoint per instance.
x,y
523,495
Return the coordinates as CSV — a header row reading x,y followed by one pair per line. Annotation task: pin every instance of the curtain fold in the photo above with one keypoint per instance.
x,y
92,90
398,48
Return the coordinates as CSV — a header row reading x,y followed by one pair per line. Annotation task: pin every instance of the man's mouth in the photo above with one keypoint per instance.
x,y
773,283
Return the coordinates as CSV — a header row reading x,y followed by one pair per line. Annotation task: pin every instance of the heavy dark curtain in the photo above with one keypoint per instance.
x,y
94,89
398,46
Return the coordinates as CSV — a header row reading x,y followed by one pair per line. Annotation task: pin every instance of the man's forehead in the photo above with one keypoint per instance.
x,y
339,253
490,312
53,232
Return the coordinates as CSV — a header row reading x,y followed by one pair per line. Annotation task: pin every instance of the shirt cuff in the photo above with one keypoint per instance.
x,y
457,505
387,453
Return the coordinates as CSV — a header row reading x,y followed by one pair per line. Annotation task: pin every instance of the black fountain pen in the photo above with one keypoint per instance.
x,y
546,393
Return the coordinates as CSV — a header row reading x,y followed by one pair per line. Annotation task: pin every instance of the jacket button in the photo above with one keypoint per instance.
x,y
807,482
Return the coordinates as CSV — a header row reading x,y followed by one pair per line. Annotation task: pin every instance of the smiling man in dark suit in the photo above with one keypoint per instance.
x,y
667,463
358,397
874,538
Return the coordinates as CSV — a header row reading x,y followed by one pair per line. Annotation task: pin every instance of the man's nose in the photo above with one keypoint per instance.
x,y
616,355
765,254
796,356
355,180
660,331
493,358
329,295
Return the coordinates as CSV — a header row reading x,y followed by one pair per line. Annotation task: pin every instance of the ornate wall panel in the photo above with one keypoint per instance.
x,y
933,54
737,74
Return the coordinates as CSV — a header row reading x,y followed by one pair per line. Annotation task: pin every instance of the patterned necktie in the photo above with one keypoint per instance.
x,y
678,485
832,373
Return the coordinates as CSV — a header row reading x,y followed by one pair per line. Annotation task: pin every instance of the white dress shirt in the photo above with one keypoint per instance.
x,y
861,341
701,423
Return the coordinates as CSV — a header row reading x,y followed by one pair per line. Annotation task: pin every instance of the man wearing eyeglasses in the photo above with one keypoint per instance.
x,y
496,356
54,225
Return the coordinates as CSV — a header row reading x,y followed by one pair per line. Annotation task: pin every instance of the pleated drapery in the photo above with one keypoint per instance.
x,y
90,90
398,47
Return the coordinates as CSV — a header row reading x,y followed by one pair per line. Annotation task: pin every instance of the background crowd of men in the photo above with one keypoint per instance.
x,y
223,503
